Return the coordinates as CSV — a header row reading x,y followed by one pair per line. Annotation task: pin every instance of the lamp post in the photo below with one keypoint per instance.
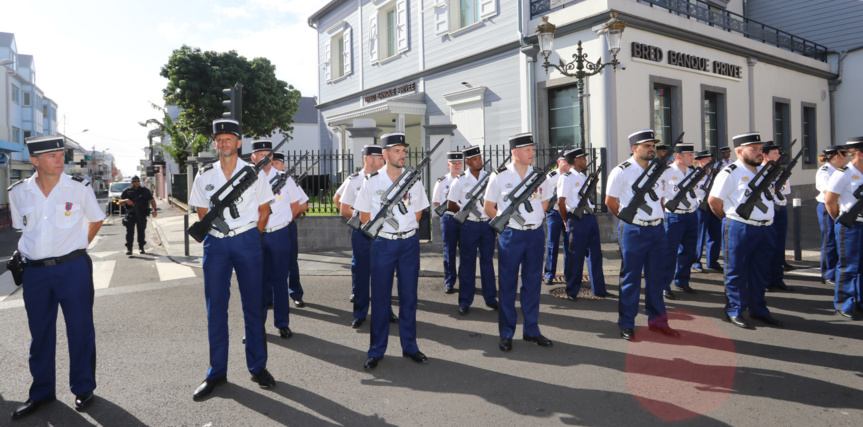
x,y
580,67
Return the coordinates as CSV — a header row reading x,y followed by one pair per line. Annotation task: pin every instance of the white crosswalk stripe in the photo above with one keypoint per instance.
x,y
170,270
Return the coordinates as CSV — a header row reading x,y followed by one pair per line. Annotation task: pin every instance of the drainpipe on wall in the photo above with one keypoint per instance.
x,y
530,51
832,84
751,63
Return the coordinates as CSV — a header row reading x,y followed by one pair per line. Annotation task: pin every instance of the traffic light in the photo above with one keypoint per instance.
x,y
234,103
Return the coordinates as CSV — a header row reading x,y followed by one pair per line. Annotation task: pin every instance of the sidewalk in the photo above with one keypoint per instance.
x,y
169,228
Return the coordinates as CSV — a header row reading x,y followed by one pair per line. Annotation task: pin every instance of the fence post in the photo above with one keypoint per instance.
x,y
798,252
186,232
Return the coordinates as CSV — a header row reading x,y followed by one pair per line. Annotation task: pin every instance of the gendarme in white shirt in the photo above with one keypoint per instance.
x,y
619,186
822,177
502,183
732,187
280,206
844,183
210,180
569,186
371,196
461,186
671,179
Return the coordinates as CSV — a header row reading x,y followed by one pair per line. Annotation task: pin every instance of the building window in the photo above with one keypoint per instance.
x,y
45,110
391,33
15,94
16,135
662,113
26,99
810,135
27,134
781,124
337,52
713,118
563,106
453,15
388,30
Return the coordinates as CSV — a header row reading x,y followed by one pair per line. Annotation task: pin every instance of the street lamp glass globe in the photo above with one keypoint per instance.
x,y
545,34
614,33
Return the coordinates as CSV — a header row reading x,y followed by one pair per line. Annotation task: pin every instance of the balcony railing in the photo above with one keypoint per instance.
x,y
732,22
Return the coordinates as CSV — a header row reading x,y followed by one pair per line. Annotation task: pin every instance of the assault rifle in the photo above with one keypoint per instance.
x,y
786,173
280,180
227,198
393,196
759,185
687,186
643,186
552,202
702,205
474,196
848,219
442,208
586,191
520,196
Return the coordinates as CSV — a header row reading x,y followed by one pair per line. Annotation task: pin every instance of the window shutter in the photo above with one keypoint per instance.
x,y
402,25
327,61
373,38
487,8
347,42
441,18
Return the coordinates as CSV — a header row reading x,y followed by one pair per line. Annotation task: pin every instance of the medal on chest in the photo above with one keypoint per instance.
x,y
408,198
68,209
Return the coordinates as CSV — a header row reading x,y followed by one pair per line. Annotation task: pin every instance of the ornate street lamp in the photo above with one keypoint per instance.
x,y
580,67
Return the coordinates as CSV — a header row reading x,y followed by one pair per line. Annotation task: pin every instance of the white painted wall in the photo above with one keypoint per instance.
x,y
848,98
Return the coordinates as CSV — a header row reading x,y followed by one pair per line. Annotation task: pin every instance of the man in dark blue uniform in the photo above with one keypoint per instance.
x,y
138,201
681,225
771,152
238,250
556,227
449,228
58,217
709,226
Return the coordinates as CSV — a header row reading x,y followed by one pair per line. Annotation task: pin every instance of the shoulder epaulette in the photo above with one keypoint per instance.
x,y
824,168
843,168
624,165
81,180
372,174
13,185
568,173
692,168
354,175
730,168
206,168
500,169
461,174
552,174
441,178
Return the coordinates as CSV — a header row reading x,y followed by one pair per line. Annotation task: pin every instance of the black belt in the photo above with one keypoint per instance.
x,y
59,260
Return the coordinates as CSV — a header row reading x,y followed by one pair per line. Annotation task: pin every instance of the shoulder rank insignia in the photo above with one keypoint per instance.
x,y
441,178
206,168
372,174
14,184
81,180
500,169
843,168
461,174
730,168
354,175
824,168
568,173
552,174
624,165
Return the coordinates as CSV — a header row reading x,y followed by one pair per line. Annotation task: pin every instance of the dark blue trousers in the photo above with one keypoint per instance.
x,y
277,248
361,277
681,230
780,228
848,286
584,242
134,222
476,236
829,252
296,289
555,230
70,286
642,249
450,229
745,247
404,255
241,253
709,238
519,248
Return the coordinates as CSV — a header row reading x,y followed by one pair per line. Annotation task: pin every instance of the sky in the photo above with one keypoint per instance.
x,y
99,60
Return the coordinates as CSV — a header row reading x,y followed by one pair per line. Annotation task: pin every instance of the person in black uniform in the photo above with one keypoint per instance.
x,y
138,200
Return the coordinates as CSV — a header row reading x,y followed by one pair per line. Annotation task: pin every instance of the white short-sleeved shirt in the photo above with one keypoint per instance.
x,y
726,163
211,179
55,225
501,183
461,186
341,190
280,206
371,196
619,186
671,179
351,189
569,186
442,189
844,183
822,177
732,187
296,192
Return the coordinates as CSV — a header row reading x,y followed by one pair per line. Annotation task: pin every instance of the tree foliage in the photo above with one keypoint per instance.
x,y
196,80
180,138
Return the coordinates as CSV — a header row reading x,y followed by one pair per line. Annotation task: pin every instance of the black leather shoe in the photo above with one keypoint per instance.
x,y
505,344
207,387
494,306
548,281
664,330
627,334
539,340
394,318
449,290
285,332
357,323
264,379
352,298
717,269
697,270
607,295
372,362
738,321
780,287
269,306
244,340
669,295
572,298
83,400
768,320
29,407
463,310
142,251
128,252
299,303
418,357
849,314
687,289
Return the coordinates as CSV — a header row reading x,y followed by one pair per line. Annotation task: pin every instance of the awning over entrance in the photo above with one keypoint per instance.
x,y
412,107
9,146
